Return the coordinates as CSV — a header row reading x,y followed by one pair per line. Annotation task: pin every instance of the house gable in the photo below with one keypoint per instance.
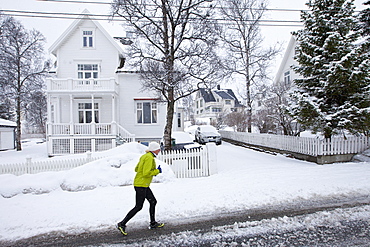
x,y
207,95
87,42
75,25
285,69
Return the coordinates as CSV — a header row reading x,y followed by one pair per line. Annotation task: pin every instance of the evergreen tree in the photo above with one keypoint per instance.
x,y
365,20
333,93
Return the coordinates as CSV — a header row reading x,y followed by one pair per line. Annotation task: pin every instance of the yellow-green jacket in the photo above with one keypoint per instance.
x,y
145,170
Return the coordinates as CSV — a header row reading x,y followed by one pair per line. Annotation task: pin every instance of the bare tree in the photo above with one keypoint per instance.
x,y
21,66
36,112
245,57
174,47
278,104
237,120
188,104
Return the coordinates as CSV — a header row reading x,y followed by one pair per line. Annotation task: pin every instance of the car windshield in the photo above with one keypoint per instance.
x,y
208,128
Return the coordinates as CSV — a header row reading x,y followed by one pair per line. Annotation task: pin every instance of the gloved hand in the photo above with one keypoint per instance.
x,y
160,169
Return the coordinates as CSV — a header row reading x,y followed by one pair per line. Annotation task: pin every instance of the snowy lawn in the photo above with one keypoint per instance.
x,y
99,194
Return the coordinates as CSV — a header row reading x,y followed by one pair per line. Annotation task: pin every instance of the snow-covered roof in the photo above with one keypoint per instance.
x,y
223,93
207,95
4,122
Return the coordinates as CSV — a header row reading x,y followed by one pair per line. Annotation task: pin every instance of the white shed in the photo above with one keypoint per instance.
x,y
7,134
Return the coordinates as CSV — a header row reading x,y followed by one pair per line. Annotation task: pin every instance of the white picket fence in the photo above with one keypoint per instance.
x,y
184,163
32,167
190,163
303,145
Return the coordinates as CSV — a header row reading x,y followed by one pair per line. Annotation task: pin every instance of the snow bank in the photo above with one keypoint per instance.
x,y
115,170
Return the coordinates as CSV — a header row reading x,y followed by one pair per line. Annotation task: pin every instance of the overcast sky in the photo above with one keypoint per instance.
x,y
52,28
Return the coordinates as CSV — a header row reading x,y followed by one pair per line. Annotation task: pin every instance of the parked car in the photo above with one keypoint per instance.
x,y
182,140
207,133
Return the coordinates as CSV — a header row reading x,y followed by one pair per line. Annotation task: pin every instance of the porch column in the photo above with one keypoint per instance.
x,y
49,120
114,130
113,108
71,122
93,109
93,122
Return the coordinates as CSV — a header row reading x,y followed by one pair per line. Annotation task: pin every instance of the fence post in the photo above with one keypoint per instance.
x,y
211,158
28,164
88,158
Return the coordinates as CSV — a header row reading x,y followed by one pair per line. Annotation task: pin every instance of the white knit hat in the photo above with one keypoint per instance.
x,y
153,146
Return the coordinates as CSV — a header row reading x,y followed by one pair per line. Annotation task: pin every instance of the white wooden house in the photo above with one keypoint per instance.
x,y
285,73
210,104
94,102
7,134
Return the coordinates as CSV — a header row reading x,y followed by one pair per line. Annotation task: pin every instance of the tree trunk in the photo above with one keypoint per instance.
x,y
168,128
19,128
249,108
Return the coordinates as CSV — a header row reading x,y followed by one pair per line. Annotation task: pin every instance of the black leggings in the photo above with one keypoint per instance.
x,y
142,193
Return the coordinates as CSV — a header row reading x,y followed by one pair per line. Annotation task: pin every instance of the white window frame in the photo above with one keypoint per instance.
x,y
287,77
86,110
84,72
88,38
146,112
216,109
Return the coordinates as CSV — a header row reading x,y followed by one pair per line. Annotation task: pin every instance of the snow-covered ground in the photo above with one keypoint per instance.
x,y
99,194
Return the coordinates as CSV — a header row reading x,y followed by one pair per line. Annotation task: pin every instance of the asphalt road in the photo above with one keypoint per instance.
x,y
351,233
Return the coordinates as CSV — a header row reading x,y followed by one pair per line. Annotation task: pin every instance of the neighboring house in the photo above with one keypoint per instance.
x,y
285,73
7,134
94,102
286,76
211,104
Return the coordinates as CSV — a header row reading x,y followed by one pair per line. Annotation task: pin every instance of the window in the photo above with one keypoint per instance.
x,y
179,120
287,78
87,39
228,102
52,113
85,112
216,109
87,71
146,112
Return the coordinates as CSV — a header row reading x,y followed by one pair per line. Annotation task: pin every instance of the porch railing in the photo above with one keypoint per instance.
x,y
82,129
78,138
69,84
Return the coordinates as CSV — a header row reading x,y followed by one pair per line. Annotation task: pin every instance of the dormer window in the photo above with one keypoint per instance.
x,y
87,38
